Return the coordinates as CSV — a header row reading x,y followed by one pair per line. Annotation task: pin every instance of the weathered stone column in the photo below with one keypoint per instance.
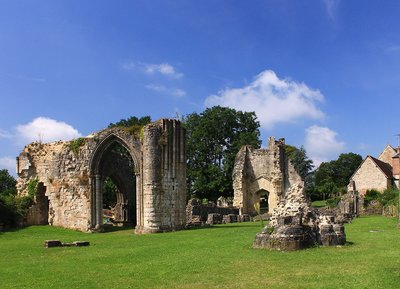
x,y
99,202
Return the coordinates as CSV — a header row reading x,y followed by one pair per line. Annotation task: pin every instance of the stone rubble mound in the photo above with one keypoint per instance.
x,y
296,225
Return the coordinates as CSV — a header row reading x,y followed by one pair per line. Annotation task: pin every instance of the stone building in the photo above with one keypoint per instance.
x,y
262,173
377,173
148,169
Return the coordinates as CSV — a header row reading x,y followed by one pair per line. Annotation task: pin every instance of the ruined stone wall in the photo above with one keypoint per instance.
x,y
163,199
72,177
369,176
66,178
296,225
260,170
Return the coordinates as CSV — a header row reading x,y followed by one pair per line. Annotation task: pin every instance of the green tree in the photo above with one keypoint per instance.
x,y
332,177
131,121
132,124
7,184
214,137
303,165
8,206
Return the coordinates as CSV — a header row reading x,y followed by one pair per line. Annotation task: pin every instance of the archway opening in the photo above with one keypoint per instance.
x,y
42,203
263,196
114,187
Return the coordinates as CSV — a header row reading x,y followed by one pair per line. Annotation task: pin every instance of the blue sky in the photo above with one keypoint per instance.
x,y
324,74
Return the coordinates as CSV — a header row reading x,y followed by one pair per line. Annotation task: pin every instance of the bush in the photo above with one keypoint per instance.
x,y
333,202
371,195
389,197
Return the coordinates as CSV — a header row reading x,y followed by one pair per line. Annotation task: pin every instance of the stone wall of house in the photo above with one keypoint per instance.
x,y
369,176
387,154
72,177
257,171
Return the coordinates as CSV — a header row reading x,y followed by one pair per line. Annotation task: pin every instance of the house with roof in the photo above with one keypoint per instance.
x,y
377,173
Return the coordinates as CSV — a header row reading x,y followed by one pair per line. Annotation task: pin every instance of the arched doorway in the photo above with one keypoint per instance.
x,y
113,166
263,198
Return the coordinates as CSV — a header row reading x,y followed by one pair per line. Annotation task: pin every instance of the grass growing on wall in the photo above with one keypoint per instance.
x,y
218,257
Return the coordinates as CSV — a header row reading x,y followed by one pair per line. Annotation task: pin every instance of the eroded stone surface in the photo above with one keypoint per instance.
x,y
152,190
262,171
295,225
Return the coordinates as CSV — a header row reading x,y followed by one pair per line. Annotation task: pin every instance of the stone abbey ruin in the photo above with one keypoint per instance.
x,y
294,224
149,171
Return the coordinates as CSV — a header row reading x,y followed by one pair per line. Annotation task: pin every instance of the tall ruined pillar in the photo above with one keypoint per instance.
x,y
162,202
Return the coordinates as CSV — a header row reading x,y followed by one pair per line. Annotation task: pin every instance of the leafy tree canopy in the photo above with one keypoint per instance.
x,y
214,137
333,176
132,121
303,165
7,184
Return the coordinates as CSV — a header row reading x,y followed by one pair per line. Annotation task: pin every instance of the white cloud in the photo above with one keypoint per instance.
x,y
164,69
5,134
274,100
9,164
331,6
176,92
46,130
322,145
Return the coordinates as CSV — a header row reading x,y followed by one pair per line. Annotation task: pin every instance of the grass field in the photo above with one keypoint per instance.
x,y
319,204
218,257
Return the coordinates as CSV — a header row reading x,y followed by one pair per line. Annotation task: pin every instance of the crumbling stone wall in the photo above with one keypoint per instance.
x,y
257,171
72,177
295,225
198,213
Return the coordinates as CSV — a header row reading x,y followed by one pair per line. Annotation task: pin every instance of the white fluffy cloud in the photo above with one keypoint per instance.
x,y
274,100
322,145
9,164
176,92
164,69
46,130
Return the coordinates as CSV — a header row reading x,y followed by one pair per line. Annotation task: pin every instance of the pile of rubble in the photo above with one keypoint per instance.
x,y
295,225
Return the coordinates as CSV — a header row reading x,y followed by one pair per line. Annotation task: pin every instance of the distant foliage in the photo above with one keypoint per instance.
x,y
7,184
109,193
214,137
303,166
133,125
371,195
133,120
8,191
331,178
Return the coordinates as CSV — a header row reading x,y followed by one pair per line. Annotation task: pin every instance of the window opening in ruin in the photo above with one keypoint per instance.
x,y
264,207
42,204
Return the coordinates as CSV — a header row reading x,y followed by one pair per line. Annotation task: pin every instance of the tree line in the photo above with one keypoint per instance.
x,y
214,137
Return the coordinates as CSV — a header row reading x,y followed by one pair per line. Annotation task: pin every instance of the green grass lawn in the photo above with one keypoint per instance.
x,y
319,204
218,257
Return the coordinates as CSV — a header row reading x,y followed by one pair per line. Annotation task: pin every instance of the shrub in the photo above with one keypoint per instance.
x,y
389,197
333,202
75,144
371,195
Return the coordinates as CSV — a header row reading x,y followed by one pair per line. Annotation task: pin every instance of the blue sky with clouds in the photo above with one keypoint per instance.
x,y
321,73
